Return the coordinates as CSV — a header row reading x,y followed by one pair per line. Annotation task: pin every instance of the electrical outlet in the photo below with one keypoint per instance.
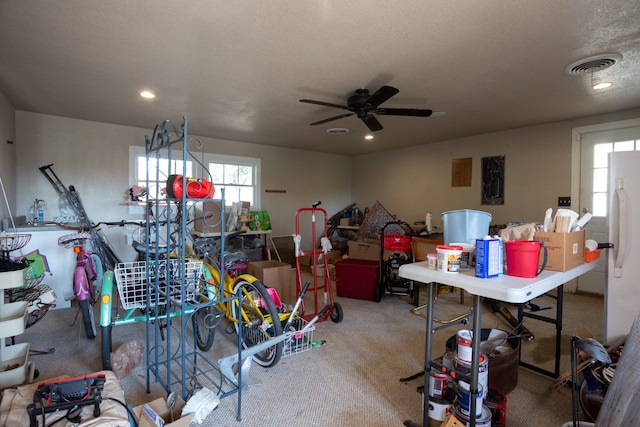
x,y
564,201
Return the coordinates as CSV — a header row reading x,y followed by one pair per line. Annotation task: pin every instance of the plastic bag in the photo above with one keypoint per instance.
x,y
126,358
201,403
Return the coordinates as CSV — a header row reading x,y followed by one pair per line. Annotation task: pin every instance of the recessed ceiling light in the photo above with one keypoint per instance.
x,y
368,137
337,131
601,85
147,94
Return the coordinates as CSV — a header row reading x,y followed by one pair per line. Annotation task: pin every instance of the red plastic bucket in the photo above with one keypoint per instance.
x,y
522,258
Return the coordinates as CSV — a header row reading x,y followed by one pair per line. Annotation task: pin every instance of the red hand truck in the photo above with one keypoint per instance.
x,y
321,282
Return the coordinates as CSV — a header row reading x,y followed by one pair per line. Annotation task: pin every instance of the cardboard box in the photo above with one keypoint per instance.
x,y
564,250
364,249
333,256
208,216
244,208
422,246
367,249
159,407
306,263
488,258
276,275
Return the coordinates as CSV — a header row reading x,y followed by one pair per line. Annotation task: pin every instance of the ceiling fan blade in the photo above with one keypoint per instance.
x,y
372,123
330,119
325,104
404,112
381,95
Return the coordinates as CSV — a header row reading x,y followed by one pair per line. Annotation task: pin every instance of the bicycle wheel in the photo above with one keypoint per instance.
x,y
204,322
80,288
260,321
206,319
89,322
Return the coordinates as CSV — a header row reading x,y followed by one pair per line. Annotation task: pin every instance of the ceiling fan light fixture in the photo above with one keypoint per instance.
x,y
337,131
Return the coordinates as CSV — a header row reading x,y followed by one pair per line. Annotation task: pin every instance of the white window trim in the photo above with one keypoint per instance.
x,y
576,139
239,160
206,158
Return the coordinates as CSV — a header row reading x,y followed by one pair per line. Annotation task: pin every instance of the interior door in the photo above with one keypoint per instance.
x,y
594,148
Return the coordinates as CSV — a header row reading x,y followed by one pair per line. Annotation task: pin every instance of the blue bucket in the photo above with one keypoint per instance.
x,y
465,226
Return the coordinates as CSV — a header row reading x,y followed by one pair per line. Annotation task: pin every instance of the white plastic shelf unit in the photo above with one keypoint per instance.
x,y
173,358
14,365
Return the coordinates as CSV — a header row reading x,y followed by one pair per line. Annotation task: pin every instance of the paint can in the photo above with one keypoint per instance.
x,y
438,384
503,360
449,258
464,340
482,420
447,359
467,254
464,399
496,401
438,411
464,367
432,261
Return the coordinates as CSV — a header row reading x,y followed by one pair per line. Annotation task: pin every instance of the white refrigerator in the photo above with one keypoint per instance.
x,y
622,290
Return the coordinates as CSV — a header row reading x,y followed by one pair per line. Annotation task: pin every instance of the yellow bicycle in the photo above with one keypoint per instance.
x,y
243,301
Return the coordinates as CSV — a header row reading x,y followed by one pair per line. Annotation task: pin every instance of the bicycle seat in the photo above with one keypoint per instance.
x,y
153,249
69,240
235,257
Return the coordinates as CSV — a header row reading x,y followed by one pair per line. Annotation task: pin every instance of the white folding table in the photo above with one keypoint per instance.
x,y
505,288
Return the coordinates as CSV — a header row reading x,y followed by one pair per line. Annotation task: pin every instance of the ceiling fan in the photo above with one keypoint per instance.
x,y
365,105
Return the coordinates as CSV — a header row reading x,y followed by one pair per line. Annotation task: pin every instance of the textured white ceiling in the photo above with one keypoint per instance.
x,y
238,68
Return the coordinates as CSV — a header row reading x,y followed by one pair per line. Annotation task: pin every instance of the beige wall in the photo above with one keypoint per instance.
x,y
413,181
94,157
7,154
408,182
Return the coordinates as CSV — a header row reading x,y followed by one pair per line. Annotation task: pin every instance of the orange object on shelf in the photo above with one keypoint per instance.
x,y
591,255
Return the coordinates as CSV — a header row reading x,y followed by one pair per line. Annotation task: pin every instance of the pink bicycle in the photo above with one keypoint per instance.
x,y
87,278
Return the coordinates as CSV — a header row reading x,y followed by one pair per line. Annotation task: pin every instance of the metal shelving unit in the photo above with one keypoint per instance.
x,y
173,358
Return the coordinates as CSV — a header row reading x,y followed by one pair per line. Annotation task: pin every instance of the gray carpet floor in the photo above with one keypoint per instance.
x,y
353,379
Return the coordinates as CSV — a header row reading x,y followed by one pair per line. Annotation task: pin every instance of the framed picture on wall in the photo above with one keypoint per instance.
x,y
493,180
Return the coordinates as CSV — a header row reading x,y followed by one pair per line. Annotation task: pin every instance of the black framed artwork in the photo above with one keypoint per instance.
x,y
493,180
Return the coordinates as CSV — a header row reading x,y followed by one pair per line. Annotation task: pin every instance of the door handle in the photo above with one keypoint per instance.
x,y
622,228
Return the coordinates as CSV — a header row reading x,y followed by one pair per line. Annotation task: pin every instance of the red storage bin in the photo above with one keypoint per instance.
x,y
357,278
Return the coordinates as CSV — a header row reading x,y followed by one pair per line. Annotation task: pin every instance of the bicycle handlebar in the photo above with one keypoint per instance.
x,y
80,227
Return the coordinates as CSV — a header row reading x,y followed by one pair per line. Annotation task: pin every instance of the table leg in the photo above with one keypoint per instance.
x,y
477,338
558,324
427,355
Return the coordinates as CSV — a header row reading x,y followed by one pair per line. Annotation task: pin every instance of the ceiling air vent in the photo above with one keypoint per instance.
x,y
337,131
593,64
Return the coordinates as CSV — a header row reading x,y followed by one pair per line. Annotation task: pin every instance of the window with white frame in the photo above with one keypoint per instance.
x,y
600,171
239,176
